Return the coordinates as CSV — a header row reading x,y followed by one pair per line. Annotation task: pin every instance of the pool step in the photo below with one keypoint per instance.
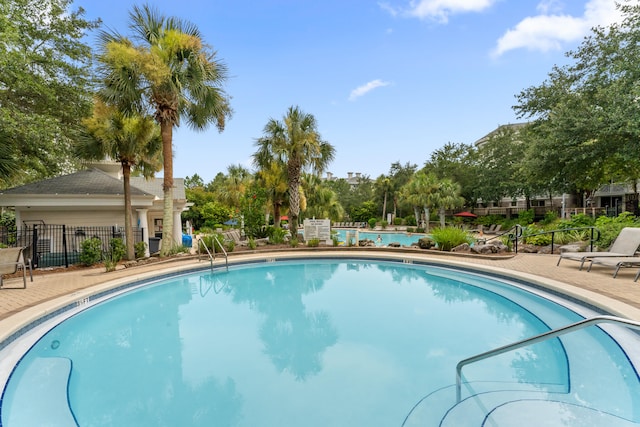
x,y
535,413
433,408
517,407
41,397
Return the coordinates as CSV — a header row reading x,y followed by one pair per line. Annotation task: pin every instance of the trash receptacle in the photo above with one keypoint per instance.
x,y
186,240
154,244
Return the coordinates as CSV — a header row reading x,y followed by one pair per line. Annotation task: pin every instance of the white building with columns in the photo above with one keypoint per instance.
x,y
95,197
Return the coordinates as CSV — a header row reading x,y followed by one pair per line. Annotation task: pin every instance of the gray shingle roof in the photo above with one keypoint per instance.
x,y
154,186
89,181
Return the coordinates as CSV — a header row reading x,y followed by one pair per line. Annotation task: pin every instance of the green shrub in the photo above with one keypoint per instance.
x,y
276,235
490,219
118,250
564,237
251,243
449,237
610,227
579,220
526,217
384,224
538,239
294,242
313,243
397,221
110,265
140,248
549,218
91,251
210,242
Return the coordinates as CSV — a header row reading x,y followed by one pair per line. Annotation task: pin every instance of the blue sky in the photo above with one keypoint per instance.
x,y
388,81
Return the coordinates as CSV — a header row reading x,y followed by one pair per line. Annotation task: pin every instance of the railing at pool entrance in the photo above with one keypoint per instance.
x,y
538,338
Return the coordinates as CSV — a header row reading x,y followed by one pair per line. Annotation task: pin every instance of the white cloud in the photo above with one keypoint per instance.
x,y
438,10
366,88
547,32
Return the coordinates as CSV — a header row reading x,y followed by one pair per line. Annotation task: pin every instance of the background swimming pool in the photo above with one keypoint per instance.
x,y
386,237
326,342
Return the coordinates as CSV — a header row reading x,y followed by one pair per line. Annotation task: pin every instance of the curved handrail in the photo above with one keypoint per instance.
x,y
212,256
538,338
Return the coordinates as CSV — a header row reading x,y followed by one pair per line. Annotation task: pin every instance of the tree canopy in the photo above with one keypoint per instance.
x,y
45,87
167,69
586,114
296,142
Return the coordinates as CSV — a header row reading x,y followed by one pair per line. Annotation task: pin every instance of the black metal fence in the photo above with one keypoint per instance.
x,y
60,245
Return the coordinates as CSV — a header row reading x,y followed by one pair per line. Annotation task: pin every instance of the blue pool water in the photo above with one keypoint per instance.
x,y
383,238
320,343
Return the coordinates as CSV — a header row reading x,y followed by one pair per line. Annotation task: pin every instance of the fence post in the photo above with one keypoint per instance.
x,y
64,245
34,245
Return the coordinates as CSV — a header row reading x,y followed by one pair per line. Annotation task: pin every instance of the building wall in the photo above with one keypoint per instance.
x,y
75,218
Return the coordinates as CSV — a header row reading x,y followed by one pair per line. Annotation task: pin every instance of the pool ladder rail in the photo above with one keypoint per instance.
x,y
212,253
538,338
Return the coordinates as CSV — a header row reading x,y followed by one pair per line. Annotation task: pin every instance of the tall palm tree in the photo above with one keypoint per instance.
x,y
165,68
134,141
295,141
383,185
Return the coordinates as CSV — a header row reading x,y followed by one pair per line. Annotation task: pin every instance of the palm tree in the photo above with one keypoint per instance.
x,y
321,201
420,192
171,72
447,196
296,142
383,184
272,177
134,141
234,186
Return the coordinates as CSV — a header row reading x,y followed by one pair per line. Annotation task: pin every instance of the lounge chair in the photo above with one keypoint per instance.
x,y
494,229
12,259
625,245
617,262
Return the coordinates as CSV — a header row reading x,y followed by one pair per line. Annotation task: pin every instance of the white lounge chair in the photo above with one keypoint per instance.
x,y
12,259
616,262
625,245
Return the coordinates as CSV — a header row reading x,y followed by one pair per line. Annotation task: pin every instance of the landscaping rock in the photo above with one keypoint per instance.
x,y
426,243
464,248
490,248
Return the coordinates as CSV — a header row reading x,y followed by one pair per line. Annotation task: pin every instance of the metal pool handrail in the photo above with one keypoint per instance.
x,y
537,338
212,257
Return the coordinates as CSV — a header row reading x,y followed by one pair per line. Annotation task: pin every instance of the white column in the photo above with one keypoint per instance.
x,y
177,227
144,224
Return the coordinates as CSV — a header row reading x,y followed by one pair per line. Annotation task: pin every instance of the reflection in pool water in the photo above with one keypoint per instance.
x,y
324,342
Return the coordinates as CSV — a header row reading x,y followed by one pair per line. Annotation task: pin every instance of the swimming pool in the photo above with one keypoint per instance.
x,y
380,238
320,342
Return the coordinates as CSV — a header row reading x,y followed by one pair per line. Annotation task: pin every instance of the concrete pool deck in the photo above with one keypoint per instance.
x,y
48,292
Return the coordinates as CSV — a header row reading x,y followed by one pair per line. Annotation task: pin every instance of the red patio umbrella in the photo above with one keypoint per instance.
x,y
466,214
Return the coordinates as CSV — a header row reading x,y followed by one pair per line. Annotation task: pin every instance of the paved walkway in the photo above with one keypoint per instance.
x,y
621,296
